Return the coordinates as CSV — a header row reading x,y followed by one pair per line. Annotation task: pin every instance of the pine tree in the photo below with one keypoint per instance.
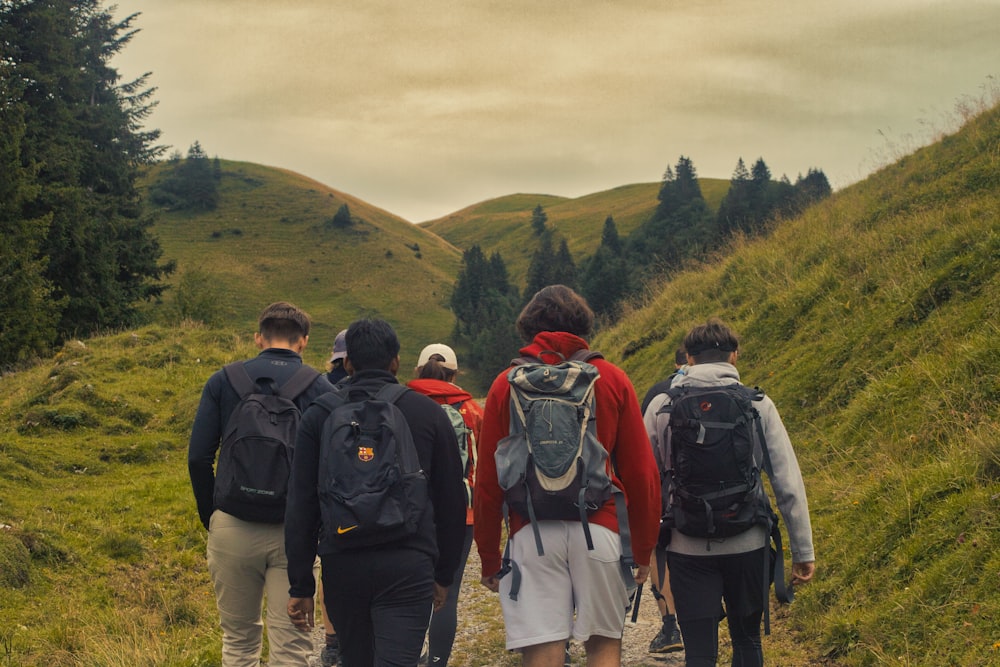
x,y
564,268
485,308
681,227
28,315
541,269
538,220
734,209
604,281
82,145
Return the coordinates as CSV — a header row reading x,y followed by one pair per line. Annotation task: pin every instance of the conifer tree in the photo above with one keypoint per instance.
x,y
604,280
485,307
564,270
734,209
28,315
681,227
538,220
82,146
541,269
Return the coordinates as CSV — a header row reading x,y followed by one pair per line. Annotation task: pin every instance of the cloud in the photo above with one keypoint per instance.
x,y
424,108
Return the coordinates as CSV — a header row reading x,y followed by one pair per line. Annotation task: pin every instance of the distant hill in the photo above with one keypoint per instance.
x,y
271,238
504,224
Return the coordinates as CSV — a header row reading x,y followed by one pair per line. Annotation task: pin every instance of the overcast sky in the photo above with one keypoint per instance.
x,y
423,108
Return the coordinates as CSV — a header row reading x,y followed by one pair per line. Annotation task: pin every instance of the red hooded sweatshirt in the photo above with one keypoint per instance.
x,y
619,428
450,393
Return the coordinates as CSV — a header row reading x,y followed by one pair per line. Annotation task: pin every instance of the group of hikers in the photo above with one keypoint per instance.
x,y
380,489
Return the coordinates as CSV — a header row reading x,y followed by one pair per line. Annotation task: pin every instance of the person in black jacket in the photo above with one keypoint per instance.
x,y
246,555
380,597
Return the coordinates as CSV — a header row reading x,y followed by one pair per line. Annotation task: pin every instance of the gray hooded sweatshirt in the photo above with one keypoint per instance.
x,y
786,478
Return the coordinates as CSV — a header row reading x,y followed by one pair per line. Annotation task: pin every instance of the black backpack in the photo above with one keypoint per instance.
x,y
711,484
372,489
255,458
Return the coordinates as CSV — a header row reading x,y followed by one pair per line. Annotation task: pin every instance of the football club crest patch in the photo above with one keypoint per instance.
x,y
366,453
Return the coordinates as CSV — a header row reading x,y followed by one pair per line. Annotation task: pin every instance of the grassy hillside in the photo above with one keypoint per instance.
x,y
271,239
874,323
872,320
504,224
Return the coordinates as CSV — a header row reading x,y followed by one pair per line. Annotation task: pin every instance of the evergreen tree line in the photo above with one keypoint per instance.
x,y
682,228
76,253
190,184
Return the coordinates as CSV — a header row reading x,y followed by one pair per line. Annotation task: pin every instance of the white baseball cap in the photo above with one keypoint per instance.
x,y
450,360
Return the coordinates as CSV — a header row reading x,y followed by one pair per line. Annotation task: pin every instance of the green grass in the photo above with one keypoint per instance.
x,y
872,320
270,240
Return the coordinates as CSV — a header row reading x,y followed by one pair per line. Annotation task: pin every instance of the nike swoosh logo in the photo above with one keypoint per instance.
x,y
341,530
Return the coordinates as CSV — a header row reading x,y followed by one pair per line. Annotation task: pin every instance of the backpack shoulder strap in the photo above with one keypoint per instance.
x,y
298,383
331,399
391,392
585,355
239,379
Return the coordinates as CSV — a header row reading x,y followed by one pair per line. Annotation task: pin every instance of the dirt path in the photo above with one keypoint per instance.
x,y
480,632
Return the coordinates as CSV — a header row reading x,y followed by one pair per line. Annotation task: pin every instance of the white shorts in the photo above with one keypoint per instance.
x,y
568,578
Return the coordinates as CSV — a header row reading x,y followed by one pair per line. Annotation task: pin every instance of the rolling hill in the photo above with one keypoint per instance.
x,y
271,239
504,224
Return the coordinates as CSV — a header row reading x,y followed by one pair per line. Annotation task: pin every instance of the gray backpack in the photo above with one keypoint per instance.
x,y
551,465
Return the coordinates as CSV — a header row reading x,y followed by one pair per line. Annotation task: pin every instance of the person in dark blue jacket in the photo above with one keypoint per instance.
x,y
379,597
246,554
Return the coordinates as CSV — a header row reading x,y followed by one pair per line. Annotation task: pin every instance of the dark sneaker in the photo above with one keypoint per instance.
x,y
330,657
667,640
567,661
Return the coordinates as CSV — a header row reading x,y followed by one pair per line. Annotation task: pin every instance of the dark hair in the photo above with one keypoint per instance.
x,y
555,308
680,357
283,321
433,370
371,344
710,342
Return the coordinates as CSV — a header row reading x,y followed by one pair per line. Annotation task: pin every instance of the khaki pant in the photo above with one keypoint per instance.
x,y
248,567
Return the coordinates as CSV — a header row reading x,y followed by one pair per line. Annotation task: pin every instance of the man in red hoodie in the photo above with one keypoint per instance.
x,y
570,590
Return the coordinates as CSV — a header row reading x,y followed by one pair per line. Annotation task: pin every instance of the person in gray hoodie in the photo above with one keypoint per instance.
x,y
705,572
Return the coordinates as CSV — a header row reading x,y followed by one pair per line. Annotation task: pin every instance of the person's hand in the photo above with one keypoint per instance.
x,y
641,574
300,610
492,583
440,596
803,572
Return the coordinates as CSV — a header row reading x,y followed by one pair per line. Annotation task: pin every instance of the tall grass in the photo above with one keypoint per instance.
x,y
872,322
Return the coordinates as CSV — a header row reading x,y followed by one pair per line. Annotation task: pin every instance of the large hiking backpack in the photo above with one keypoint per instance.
x,y
551,465
466,445
255,458
711,482
372,489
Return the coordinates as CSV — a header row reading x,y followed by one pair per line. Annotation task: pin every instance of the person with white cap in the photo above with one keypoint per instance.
x,y
435,373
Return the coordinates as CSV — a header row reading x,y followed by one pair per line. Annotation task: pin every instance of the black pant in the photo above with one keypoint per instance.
x,y
444,622
379,602
700,584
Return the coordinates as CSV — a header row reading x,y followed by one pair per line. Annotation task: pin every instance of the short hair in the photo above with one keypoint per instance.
x,y
680,357
283,321
372,344
555,308
433,369
710,342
